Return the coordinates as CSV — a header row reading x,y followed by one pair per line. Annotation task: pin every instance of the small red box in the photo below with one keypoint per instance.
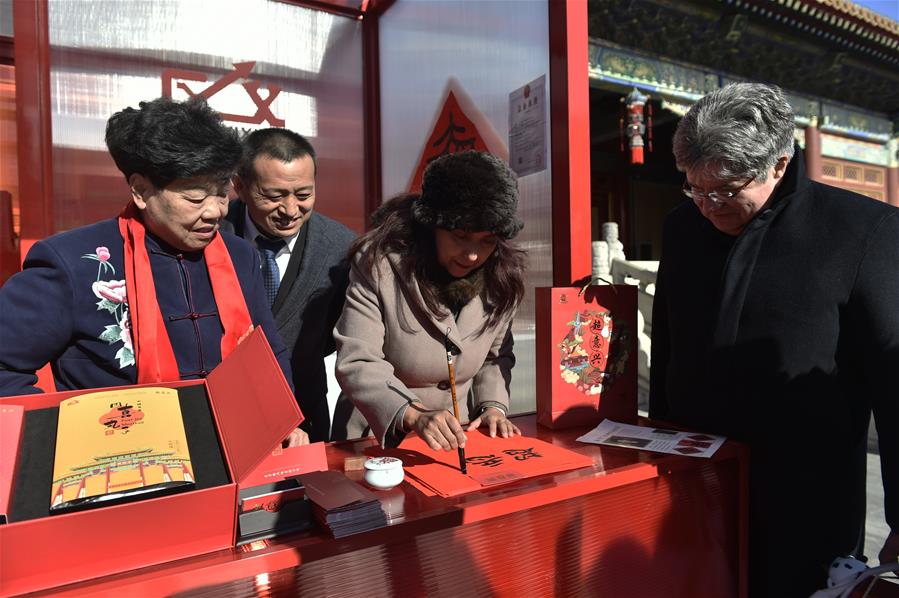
x,y
282,464
10,433
253,410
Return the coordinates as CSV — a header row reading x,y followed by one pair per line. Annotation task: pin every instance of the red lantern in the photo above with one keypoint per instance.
x,y
632,127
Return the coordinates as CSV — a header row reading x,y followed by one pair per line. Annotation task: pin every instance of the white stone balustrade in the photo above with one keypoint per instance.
x,y
609,262
643,275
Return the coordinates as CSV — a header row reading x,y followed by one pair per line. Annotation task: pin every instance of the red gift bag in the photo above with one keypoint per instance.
x,y
586,355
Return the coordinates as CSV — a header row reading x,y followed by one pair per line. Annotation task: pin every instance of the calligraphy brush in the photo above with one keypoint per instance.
x,y
452,381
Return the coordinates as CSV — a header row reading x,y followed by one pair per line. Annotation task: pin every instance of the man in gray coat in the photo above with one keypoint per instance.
x,y
304,266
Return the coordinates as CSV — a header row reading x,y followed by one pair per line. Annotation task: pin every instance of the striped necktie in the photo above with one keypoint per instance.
x,y
271,276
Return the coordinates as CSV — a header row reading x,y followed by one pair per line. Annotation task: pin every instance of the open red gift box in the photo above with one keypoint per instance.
x,y
233,420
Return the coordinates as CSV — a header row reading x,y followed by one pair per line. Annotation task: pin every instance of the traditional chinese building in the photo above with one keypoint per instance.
x,y
838,63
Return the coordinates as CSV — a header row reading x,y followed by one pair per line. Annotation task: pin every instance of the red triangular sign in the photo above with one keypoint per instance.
x,y
453,132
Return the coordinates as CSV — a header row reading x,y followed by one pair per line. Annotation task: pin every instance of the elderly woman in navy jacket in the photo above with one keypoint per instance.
x,y
156,294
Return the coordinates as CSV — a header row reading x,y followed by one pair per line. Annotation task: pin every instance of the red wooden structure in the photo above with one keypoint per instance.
x,y
634,524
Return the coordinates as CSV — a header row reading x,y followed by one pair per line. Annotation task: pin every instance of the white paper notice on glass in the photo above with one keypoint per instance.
x,y
527,128
660,440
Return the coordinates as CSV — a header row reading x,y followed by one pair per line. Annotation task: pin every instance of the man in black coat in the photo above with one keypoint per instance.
x,y
776,322
304,266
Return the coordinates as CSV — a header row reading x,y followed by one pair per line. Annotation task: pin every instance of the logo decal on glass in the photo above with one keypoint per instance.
x,y
176,79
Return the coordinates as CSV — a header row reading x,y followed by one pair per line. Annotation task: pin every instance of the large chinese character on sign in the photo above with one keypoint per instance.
x,y
177,79
453,132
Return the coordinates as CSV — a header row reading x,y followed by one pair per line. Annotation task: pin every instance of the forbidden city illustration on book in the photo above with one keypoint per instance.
x,y
114,446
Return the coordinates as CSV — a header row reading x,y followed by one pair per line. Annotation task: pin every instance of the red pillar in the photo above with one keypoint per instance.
x,y
813,150
371,82
34,140
35,143
570,132
9,249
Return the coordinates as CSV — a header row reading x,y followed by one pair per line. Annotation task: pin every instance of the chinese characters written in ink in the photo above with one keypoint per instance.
x,y
121,417
586,349
451,142
495,460
596,343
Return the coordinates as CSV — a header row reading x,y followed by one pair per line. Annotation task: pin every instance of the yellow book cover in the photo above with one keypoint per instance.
x,y
119,442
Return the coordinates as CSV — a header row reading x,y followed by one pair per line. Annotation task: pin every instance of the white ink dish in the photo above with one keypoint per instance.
x,y
383,472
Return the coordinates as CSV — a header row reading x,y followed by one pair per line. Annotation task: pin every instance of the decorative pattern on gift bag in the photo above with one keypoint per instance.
x,y
584,353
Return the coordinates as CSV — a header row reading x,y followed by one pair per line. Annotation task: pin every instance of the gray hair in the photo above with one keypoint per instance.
x,y
736,132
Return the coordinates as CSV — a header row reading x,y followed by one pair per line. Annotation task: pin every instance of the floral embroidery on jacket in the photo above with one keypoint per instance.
x,y
113,297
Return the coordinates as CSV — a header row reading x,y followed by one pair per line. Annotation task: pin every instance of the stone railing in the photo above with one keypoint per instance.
x,y
643,275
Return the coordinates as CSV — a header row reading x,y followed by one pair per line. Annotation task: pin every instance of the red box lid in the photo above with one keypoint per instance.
x,y
254,407
10,433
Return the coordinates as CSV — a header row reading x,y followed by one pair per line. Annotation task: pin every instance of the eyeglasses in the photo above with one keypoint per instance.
x,y
716,197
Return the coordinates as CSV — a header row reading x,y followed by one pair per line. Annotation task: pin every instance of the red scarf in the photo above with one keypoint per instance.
x,y
153,352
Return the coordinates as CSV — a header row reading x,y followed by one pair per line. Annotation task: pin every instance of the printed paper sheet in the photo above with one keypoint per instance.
x,y
659,440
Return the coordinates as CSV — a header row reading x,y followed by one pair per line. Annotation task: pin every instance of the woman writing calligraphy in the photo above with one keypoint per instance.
x,y
437,273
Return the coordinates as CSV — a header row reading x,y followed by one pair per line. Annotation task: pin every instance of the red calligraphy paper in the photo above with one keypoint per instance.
x,y
491,461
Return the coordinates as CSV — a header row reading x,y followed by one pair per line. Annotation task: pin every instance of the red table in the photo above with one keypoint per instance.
x,y
636,523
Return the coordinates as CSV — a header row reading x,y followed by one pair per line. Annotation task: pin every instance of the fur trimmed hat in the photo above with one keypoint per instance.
x,y
472,191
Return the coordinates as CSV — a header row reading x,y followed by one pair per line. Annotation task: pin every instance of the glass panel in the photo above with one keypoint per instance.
x,y
285,65
483,50
6,24
9,164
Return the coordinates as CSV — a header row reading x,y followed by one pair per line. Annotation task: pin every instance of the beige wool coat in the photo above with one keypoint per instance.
x,y
389,355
